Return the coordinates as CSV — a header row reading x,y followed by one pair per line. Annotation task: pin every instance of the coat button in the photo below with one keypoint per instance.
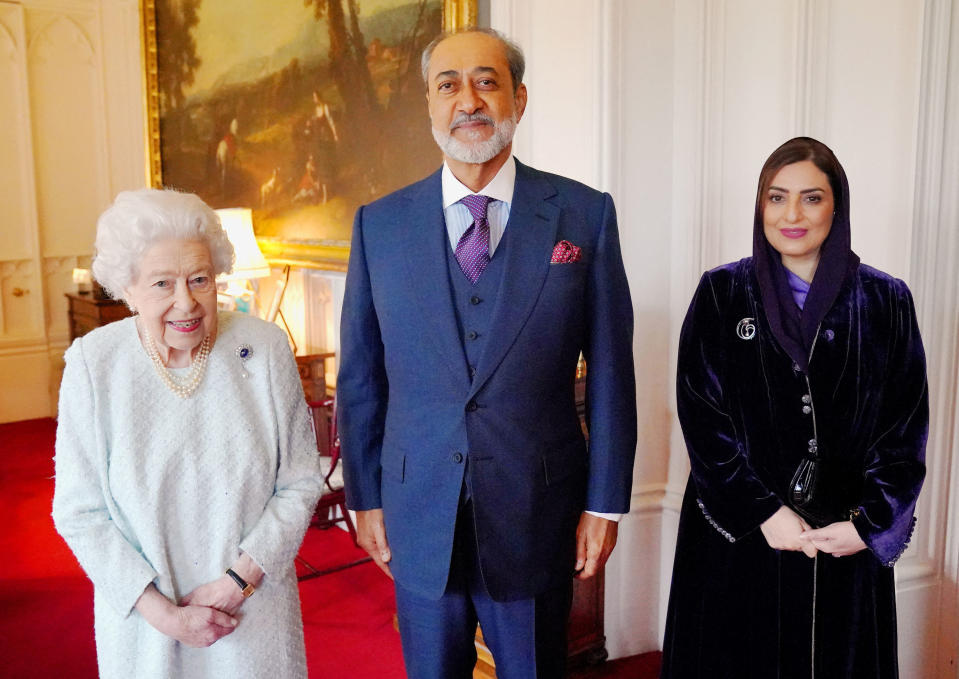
x,y
472,334
457,458
828,334
475,300
806,410
806,398
813,446
471,406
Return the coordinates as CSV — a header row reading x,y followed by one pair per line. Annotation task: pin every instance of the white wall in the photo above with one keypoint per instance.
x,y
672,106
70,137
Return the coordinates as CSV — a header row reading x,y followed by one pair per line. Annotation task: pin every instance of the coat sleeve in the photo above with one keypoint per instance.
x,y
118,569
895,460
276,536
361,385
610,377
732,497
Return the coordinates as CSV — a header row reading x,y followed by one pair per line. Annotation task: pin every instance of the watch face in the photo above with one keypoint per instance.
x,y
248,590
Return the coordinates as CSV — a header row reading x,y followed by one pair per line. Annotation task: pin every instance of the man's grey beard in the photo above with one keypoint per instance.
x,y
476,152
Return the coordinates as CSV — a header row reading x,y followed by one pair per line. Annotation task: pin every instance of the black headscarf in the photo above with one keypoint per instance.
x,y
794,328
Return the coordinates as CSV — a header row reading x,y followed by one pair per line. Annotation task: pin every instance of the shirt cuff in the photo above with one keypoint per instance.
x,y
608,517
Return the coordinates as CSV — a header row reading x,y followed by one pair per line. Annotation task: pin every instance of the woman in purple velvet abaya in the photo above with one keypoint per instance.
x,y
799,353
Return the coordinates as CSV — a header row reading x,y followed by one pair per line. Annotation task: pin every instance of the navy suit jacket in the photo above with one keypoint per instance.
x,y
410,415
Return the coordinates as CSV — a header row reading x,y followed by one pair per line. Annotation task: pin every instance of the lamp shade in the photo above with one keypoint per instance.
x,y
250,263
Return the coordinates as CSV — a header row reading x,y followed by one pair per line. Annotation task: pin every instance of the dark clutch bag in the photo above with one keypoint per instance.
x,y
819,494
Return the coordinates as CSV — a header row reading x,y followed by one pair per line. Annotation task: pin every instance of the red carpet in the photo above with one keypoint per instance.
x,y
46,602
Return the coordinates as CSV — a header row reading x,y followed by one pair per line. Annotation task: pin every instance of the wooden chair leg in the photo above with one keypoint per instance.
x,y
348,521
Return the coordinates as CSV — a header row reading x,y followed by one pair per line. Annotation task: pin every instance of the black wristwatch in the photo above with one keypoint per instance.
x,y
246,588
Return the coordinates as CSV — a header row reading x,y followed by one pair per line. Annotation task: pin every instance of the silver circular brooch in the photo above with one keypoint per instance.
x,y
746,329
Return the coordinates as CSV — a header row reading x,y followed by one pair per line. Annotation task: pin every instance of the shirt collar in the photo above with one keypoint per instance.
x,y
500,188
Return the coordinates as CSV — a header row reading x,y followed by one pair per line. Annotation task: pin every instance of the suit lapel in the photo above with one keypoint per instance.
x,y
531,230
426,242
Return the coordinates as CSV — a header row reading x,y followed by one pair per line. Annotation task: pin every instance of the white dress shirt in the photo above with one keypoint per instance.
x,y
459,219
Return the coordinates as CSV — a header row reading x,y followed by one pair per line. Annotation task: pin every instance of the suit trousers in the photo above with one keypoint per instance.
x,y
527,637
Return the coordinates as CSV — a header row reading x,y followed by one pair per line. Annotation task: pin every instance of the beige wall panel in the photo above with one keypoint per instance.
x,y
66,107
21,302
560,129
16,223
875,51
751,87
24,385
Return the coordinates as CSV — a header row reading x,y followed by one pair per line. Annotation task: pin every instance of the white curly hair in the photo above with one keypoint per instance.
x,y
139,219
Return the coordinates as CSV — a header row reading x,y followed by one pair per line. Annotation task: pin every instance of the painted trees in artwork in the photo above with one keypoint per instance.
x,y
177,61
305,130
377,124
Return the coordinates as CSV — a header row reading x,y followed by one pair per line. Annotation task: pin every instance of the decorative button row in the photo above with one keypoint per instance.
x,y
713,523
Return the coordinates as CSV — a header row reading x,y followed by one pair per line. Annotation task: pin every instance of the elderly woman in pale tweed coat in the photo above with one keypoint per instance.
x,y
185,466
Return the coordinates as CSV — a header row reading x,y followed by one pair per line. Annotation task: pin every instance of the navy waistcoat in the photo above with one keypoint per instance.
x,y
474,302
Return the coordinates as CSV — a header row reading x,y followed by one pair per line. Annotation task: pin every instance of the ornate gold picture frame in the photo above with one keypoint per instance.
x,y
300,109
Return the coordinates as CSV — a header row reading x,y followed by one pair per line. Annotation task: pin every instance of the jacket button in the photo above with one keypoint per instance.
x,y
475,300
471,406
828,335
806,410
472,334
806,398
457,457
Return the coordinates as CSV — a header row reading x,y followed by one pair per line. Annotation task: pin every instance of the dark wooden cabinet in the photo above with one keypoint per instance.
x,y
87,313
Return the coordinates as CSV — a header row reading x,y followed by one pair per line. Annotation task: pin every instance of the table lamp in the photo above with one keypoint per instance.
x,y
250,262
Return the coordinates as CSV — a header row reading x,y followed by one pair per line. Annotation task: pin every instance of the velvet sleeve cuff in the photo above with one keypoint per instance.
x,y
735,523
887,545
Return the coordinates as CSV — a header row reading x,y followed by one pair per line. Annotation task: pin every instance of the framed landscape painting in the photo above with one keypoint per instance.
x,y
300,109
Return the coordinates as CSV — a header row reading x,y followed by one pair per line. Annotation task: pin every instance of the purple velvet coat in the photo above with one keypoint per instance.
x,y
749,414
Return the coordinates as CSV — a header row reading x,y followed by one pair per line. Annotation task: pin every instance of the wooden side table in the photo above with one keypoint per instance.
x,y
88,313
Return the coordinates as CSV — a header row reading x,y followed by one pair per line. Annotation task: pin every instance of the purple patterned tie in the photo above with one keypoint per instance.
x,y
472,251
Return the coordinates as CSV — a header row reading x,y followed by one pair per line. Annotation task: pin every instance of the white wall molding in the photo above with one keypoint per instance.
x,y
935,249
712,135
58,32
609,100
934,278
811,60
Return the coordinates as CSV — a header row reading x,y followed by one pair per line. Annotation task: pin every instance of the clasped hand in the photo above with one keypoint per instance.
x,y
193,625
786,530
205,615
221,594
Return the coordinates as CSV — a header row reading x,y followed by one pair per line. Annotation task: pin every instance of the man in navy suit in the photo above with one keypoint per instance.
x,y
469,298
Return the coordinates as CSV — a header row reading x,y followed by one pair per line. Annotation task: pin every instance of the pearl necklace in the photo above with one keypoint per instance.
x,y
185,386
